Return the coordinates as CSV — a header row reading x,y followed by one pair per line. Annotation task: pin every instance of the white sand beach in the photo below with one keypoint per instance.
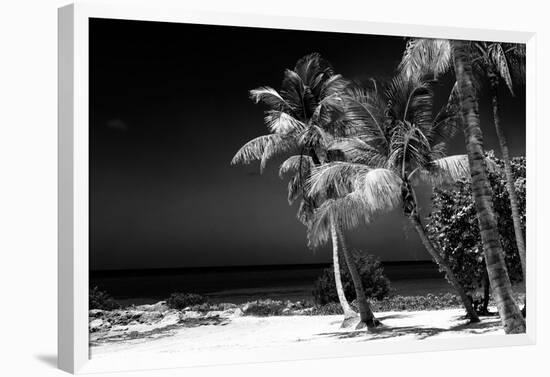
x,y
243,334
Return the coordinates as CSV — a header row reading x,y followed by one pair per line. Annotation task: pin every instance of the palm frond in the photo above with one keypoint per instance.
x,y
347,212
379,189
448,121
252,150
264,147
283,123
438,151
359,150
295,188
448,170
442,171
335,84
338,176
328,111
315,137
409,148
270,97
516,55
293,164
425,56
410,99
516,49
313,69
365,114
275,146
298,95
306,211
500,61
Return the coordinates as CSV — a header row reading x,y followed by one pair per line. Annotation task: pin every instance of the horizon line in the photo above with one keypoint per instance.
x,y
157,270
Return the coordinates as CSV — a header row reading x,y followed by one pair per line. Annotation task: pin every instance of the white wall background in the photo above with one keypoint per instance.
x,y
28,184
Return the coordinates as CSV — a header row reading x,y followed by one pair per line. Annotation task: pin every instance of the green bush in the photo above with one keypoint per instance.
x,y
453,226
396,304
101,300
375,283
332,308
264,308
183,300
415,303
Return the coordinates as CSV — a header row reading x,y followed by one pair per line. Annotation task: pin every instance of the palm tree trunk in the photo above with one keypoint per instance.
x,y
365,311
510,314
348,312
466,301
520,240
486,293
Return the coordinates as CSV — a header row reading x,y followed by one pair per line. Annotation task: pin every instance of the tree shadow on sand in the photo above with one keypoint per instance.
x,y
420,332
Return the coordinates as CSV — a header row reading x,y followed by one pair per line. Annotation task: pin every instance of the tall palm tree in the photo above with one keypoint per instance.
x,y
509,311
496,61
404,144
302,119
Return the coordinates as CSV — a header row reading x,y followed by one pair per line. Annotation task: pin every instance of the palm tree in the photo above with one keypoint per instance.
x,y
296,189
496,61
509,311
404,144
302,119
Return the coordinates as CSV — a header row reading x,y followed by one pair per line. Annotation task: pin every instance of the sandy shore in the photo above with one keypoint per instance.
x,y
242,334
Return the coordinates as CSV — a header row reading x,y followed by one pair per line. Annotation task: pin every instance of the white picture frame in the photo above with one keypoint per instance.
x,y
73,20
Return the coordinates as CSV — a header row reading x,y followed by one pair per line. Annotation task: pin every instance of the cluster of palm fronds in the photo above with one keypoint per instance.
x,y
355,151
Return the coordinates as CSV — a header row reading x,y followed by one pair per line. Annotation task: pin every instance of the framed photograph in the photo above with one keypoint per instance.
x,y
237,188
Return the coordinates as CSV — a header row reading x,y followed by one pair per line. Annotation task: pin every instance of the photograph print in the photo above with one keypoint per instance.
x,y
254,188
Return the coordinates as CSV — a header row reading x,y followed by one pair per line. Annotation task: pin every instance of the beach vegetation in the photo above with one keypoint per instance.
x,y
453,226
99,299
180,300
375,283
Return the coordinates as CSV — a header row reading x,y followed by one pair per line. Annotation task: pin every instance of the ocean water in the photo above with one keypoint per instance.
x,y
241,284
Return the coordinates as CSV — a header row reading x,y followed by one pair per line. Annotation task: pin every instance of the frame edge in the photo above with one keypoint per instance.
x,y
65,191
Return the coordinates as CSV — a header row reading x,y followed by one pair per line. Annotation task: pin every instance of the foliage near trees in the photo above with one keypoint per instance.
x,y
98,299
182,300
375,283
453,226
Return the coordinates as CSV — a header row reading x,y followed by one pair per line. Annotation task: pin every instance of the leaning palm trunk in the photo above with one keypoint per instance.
x,y
348,312
365,312
509,311
466,301
410,208
520,241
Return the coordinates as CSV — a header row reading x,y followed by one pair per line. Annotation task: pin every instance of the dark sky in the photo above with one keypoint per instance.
x,y
169,108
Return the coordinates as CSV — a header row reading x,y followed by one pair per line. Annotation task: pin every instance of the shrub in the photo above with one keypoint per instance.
x,y
375,283
101,300
332,308
415,303
183,300
453,226
397,303
264,308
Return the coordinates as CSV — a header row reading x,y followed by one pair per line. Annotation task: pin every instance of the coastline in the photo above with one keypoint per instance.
x,y
241,284
242,333
158,321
